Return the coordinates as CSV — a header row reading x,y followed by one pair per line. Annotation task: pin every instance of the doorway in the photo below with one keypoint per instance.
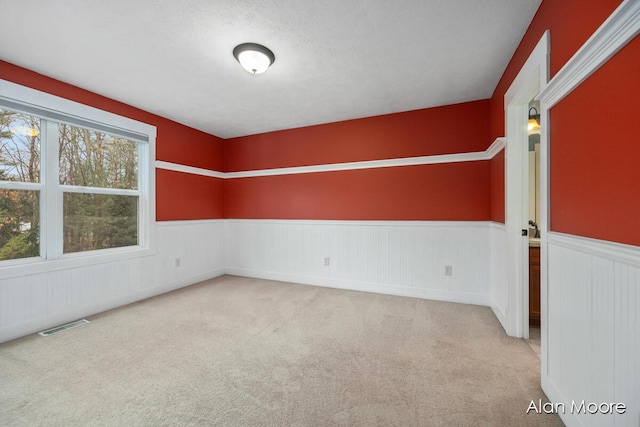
x,y
534,215
531,79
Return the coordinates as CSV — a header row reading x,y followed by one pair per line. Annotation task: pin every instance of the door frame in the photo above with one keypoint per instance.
x,y
530,81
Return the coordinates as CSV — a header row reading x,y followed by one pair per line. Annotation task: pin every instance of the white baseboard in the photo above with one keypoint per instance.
x,y
408,258
192,280
404,291
502,317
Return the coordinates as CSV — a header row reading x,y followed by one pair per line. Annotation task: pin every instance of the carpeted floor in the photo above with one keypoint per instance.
x,y
244,352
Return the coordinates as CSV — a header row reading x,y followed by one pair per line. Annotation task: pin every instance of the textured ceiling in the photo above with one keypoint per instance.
x,y
335,59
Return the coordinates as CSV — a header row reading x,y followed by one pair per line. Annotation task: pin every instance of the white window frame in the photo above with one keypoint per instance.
x,y
51,192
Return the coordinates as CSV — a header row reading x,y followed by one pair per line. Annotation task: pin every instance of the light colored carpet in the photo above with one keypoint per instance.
x,y
534,341
243,352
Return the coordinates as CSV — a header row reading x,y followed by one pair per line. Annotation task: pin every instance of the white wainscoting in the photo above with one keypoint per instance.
x,y
405,258
498,272
593,346
39,301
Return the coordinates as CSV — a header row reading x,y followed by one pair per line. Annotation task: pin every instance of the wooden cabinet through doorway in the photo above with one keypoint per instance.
x,y
534,287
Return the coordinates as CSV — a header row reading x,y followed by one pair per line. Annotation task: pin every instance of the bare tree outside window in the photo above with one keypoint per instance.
x,y
98,181
19,163
95,159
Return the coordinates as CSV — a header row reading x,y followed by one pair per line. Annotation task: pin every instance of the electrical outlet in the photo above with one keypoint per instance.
x,y
448,270
178,262
327,261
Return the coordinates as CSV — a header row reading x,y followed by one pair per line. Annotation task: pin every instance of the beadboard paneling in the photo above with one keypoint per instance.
x,y
593,329
392,257
498,271
627,340
39,301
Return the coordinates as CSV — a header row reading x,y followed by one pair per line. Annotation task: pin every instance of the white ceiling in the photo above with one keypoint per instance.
x,y
335,59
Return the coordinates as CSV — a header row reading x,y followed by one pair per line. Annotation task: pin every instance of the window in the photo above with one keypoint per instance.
x,y
20,192
74,181
99,181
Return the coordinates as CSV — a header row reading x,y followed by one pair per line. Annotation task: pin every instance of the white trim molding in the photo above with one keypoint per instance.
x,y
188,169
618,30
370,164
531,79
627,254
363,286
488,154
46,102
356,223
189,222
535,68
497,146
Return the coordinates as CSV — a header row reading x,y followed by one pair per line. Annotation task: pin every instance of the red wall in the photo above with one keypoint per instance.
x,y
458,191
595,154
455,191
459,128
431,192
183,196
571,23
175,143
591,170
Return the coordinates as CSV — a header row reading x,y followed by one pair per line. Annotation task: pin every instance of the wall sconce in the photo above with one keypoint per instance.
x,y
533,126
253,57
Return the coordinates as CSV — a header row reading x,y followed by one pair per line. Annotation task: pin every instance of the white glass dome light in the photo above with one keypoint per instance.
x,y
254,58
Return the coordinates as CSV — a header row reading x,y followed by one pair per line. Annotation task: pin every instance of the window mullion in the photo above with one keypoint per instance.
x,y
143,201
99,190
52,206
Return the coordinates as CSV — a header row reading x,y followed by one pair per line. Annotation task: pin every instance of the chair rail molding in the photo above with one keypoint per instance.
x,y
488,154
619,252
618,30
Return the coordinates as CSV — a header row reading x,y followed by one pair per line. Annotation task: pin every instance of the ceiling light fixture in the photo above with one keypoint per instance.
x,y
254,57
533,126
